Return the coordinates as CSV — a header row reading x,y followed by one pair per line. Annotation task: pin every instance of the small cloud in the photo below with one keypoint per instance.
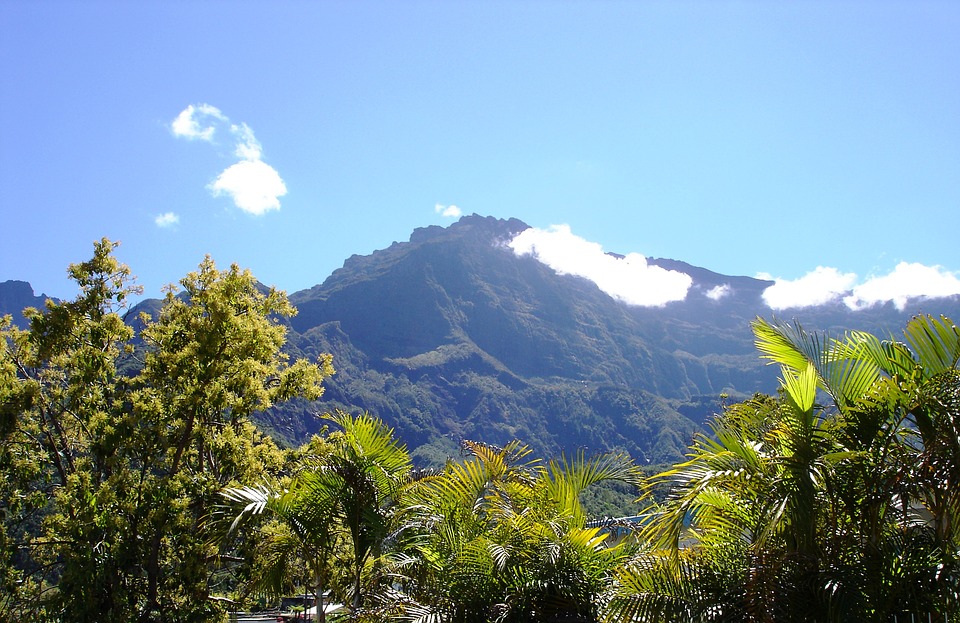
x,y
248,147
629,279
188,123
254,186
823,285
450,211
718,292
167,219
908,280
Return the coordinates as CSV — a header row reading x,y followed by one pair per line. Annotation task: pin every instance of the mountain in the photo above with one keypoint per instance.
x,y
452,335
15,296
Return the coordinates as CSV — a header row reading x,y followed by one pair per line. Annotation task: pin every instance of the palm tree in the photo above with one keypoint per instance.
x,y
740,516
499,536
819,498
933,398
365,473
307,532
345,494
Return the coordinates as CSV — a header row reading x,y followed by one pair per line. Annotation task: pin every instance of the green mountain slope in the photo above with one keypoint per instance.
x,y
451,335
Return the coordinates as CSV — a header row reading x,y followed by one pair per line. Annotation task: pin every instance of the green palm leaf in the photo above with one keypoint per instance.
x,y
846,369
567,479
936,343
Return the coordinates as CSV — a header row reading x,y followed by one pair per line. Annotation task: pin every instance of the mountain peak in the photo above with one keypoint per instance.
x,y
488,227
457,333
17,295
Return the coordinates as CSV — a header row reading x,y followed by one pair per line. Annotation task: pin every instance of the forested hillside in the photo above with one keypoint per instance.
x,y
451,335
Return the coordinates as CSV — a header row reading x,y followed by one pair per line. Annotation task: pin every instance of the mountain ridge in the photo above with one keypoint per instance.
x,y
15,296
453,335
454,325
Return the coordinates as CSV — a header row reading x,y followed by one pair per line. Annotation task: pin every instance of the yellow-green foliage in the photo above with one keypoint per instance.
x,y
107,476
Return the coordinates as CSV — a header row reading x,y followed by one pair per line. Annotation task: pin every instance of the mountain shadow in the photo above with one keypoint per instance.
x,y
451,335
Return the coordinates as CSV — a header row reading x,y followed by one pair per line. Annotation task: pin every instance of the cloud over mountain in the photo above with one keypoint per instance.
x,y
450,211
628,278
818,287
635,281
908,280
718,292
254,185
828,285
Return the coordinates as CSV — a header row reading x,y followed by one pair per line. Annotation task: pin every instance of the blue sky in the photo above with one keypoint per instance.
x,y
814,142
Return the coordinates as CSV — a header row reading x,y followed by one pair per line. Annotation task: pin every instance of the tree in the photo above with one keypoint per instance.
x,y
806,510
345,494
502,537
739,523
133,461
896,411
303,535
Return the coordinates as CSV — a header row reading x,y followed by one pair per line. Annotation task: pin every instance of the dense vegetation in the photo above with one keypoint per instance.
x,y
135,487
114,449
836,500
452,336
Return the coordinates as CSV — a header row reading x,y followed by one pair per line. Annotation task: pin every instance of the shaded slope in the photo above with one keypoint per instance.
x,y
462,286
15,296
451,335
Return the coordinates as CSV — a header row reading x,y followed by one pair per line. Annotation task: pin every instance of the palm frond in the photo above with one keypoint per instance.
x,y
846,369
888,356
243,502
854,367
368,439
462,484
508,463
788,345
567,479
652,589
271,578
936,341
801,387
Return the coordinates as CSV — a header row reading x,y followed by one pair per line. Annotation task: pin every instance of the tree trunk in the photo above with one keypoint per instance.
x,y
321,612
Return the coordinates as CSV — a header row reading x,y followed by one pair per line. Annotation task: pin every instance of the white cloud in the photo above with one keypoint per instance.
x,y
254,185
248,147
821,286
633,280
718,292
825,285
167,219
629,279
187,124
450,211
908,280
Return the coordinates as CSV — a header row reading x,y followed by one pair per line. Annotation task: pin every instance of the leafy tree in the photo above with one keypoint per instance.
x,y
131,462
